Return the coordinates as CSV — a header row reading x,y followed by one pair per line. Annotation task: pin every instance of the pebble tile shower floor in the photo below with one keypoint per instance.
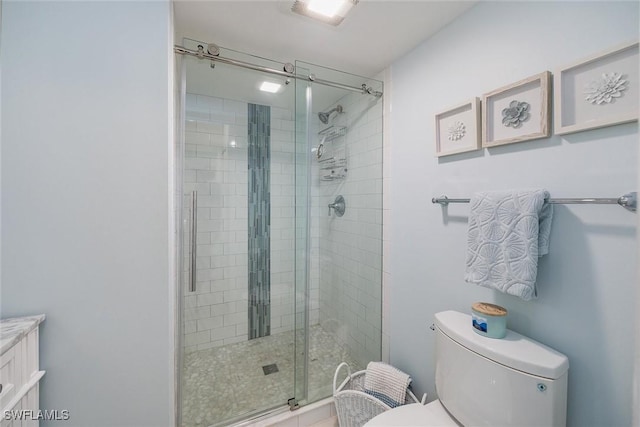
x,y
226,382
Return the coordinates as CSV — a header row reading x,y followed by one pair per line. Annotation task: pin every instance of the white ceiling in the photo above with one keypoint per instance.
x,y
374,34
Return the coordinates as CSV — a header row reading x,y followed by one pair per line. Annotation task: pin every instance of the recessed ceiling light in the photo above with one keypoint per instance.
x,y
270,87
328,8
329,11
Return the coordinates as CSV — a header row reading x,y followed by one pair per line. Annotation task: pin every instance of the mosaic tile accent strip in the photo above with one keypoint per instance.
x,y
259,135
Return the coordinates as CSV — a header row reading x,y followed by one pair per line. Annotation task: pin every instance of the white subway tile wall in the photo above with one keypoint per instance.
x,y
216,167
346,252
350,247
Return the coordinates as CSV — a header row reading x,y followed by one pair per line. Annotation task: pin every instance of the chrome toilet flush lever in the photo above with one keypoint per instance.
x,y
338,206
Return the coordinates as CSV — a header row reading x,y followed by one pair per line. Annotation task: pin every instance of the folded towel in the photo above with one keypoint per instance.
x,y
508,231
386,383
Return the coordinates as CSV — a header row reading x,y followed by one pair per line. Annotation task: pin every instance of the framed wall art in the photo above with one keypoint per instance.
x,y
517,112
598,91
458,129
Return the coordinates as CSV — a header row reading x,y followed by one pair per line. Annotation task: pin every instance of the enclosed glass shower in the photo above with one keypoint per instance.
x,y
279,201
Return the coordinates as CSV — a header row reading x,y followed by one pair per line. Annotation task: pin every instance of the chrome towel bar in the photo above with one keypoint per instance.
x,y
627,201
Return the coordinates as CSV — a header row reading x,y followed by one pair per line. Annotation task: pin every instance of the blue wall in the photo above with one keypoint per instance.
x,y
587,282
86,117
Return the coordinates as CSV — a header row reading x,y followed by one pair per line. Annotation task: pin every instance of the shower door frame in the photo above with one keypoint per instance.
x,y
180,80
302,163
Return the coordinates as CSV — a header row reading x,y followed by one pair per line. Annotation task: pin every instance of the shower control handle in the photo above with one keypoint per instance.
x,y
338,206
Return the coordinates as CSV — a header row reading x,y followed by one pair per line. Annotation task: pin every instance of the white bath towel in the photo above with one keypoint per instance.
x,y
508,231
387,383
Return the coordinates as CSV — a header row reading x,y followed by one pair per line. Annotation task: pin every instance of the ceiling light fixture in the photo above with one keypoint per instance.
x,y
328,11
328,8
270,87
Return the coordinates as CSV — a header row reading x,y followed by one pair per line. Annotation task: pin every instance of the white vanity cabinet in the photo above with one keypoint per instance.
x,y
19,371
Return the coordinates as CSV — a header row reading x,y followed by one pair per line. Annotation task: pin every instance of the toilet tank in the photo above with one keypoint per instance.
x,y
513,381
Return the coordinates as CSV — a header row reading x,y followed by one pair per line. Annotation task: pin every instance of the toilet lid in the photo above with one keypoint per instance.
x,y
414,415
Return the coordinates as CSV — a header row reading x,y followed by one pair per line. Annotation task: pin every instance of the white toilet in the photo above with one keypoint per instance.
x,y
480,381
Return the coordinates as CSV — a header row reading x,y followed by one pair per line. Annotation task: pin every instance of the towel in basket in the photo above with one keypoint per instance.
x,y
354,406
387,383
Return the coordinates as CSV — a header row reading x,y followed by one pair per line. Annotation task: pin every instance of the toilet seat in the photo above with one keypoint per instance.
x,y
414,415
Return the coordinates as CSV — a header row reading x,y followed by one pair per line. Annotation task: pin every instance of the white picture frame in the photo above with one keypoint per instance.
x,y
517,112
598,91
458,129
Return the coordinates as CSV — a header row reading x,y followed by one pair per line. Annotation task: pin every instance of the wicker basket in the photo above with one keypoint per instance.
x,y
353,405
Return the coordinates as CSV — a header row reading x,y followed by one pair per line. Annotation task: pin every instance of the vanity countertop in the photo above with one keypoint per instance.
x,y
13,329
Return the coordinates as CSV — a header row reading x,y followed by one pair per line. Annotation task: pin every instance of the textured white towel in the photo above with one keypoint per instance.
x,y
508,231
387,383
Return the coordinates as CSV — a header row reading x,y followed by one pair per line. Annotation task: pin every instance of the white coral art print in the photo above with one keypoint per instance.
x,y
606,89
457,130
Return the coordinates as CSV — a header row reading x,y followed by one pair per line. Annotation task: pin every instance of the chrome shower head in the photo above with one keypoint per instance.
x,y
324,116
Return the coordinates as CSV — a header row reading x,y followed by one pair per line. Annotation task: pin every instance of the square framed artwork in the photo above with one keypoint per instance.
x,y
599,91
517,112
458,129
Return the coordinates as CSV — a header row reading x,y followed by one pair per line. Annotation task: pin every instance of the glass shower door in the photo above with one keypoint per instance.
x,y
238,273
276,288
338,244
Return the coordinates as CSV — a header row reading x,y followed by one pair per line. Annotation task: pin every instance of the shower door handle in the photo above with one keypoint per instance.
x,y
194,238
